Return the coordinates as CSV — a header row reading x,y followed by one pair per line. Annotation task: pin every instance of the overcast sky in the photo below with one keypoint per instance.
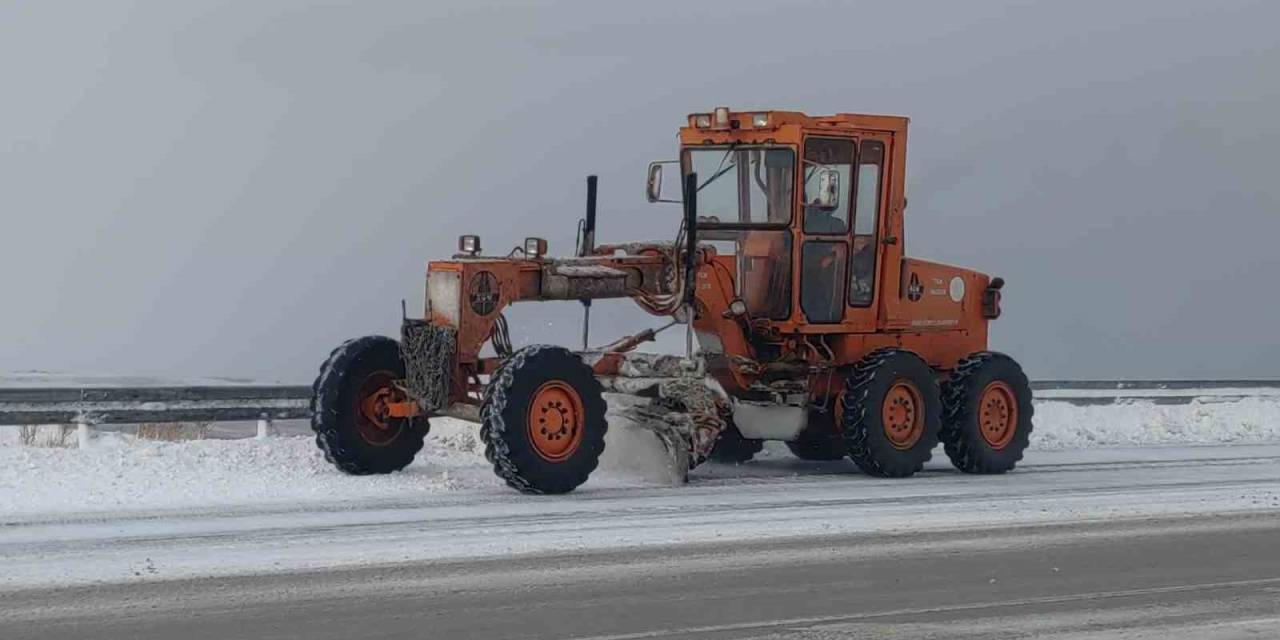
x,y
208,188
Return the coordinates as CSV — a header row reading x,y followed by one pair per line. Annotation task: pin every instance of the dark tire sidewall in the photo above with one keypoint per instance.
x,y
732,448
820,440
334,403
864,435
962,437
504,416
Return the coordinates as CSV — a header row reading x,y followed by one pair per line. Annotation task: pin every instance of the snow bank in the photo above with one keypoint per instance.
x,y
122,474
1059,425
119,472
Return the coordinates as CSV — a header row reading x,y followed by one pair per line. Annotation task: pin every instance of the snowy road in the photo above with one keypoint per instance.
x,y
1086,500
258,537
765,500
1215,578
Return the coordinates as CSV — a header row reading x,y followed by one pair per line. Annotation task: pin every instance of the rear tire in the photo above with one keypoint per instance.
x,y
344,411
891,412
732,448
543,420
820,441
987,425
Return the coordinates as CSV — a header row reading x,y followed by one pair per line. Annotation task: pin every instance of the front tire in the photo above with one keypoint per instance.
x,y
891,412
348,409
988,414
543,420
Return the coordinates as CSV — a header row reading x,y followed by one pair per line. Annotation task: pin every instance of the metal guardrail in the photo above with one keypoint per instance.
x,y
1103,392
236,403
133,405
1181,385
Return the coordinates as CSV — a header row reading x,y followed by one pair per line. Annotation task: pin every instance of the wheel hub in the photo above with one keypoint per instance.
x,y
902,415
997,414
555,421
374,407
373,420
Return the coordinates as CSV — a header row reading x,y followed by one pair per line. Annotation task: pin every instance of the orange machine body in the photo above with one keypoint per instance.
x,y
940,312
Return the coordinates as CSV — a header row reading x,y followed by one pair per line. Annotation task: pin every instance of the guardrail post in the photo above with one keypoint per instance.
x,y
265,428
84,433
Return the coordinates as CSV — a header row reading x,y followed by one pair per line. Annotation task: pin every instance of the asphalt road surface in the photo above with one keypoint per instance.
x,y
1172,578
1158,543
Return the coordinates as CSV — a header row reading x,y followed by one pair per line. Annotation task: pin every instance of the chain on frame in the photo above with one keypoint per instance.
x,y
428,359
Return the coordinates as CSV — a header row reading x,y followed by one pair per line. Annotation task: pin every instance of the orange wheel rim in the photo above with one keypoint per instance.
x,y
902,415
997,414
555,421
372,421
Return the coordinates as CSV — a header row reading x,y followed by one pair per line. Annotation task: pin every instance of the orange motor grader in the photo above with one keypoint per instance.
x,y
788,273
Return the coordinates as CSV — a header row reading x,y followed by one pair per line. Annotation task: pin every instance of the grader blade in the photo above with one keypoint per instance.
x,y
683,407
644,415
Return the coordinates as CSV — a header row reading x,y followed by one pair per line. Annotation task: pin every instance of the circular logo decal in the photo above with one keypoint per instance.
x,y
957,289
484,292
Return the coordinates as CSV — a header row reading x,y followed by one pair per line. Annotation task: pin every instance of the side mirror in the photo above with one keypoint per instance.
x,y
828,189
653,187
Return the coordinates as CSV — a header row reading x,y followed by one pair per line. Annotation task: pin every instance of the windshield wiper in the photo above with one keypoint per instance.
x,y
719,172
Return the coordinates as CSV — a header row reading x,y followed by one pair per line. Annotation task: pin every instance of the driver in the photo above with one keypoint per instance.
x,y
823,276
819,219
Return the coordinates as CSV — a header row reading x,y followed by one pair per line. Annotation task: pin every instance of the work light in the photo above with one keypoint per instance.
x,y
535,247
722,117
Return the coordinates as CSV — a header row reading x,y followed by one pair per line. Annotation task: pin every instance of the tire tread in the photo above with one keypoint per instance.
x,y
336,439
967,451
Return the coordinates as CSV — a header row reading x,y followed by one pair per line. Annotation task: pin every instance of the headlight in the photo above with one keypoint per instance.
x,y
760,120
535,247
469,245
702,120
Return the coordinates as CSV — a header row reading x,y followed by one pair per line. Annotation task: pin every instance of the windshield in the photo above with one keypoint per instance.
x,y
743,184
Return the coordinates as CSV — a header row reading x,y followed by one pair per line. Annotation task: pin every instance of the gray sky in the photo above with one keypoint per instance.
x,y
208,188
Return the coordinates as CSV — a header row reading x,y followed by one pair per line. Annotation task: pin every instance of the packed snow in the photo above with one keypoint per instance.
x,y
1059,425
120,473
765,500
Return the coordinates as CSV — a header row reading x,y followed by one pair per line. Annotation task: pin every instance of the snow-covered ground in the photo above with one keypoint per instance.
x,y
121,474
127,510
765,500
1059,425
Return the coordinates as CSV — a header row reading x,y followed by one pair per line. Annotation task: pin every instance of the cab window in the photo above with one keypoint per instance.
x,y
823,159
866,218
745,196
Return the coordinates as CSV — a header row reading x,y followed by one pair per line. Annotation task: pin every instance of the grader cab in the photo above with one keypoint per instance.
x,y
805,323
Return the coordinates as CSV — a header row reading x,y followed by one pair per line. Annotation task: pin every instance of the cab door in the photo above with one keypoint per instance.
x,y
826,205
868,243
840,245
